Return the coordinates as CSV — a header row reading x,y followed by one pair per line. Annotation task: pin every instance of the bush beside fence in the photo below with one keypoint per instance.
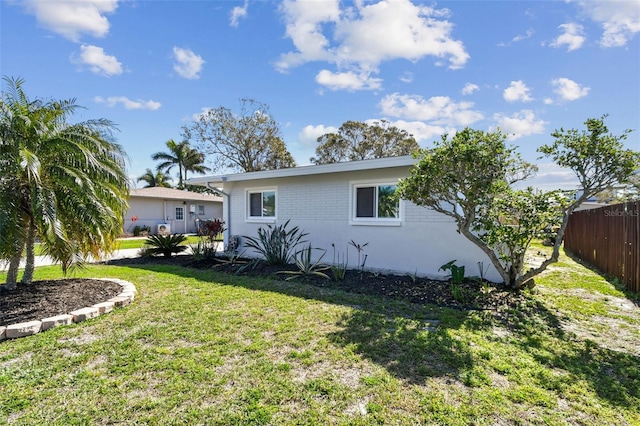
x,y
608,238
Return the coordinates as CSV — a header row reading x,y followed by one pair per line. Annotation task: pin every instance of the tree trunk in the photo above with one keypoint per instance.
x,y
30,264
14,266
12,272
506,276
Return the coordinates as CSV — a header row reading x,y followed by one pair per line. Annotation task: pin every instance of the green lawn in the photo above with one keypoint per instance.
x,y
130,243
201,348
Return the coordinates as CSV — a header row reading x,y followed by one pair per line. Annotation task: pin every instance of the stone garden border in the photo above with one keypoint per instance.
x,y
29,328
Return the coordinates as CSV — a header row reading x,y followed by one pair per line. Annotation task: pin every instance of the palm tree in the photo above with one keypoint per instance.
x,y
155,179
193,162
62,183
182,155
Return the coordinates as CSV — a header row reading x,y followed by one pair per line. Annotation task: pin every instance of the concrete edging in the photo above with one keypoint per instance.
x,y
29,328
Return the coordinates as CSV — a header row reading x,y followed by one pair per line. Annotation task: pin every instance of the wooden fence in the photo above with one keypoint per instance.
x,y
608,238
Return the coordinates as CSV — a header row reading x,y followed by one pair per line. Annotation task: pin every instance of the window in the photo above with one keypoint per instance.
x,y
201,210
262,204
375,202
179,213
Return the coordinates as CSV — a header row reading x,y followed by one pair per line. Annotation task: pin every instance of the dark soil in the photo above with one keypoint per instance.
x,y
470,294
43,299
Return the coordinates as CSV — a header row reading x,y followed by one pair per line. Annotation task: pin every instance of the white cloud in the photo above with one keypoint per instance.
x,y
239,12
523,123
572,37
98,61
128,103
525,36
569,90
349,81
72,18
310,134
406,77
367,34
550,177
469,88
518,38
517,91
439,110
620,20
188,64
421,131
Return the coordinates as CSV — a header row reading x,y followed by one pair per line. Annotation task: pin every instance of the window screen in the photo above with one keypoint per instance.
x,y
262,204
365,201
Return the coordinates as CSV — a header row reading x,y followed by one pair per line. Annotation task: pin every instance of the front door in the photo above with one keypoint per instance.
x,y
179,223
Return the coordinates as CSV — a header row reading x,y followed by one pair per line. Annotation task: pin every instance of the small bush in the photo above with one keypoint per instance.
x,y
209,232
306,266
457,272
276,244
165,244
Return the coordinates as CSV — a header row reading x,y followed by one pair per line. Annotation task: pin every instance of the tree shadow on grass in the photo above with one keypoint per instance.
x,y
411,341
613,375
415,342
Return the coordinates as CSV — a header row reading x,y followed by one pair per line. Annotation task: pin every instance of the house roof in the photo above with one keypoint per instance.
x,y
377,163
172,194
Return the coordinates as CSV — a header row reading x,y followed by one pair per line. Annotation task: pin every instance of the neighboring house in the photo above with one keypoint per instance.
x,y
168,210
343,202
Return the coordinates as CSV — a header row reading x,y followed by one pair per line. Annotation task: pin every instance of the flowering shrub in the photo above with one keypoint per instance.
x,y
211,229
209,232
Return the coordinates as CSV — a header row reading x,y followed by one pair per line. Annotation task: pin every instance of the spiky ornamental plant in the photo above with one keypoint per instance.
x,y
165,245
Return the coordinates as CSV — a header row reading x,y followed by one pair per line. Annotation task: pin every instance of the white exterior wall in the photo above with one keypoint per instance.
x,y
321,206
153,211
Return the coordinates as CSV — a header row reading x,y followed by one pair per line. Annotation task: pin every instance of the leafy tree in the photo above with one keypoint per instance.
x,y
469,177
182,155
622,194
155,179
597,158
247,142
62,183
356,140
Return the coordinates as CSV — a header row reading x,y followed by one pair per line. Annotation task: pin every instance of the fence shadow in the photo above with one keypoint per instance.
x,y
614,281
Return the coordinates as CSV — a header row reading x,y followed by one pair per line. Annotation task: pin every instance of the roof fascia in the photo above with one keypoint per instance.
x,y
373,164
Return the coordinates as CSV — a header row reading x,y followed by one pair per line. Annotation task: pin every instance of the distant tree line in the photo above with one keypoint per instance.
x,y
250,141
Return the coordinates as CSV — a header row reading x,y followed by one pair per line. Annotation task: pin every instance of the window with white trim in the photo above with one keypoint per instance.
x,y
179,213
375,202
200,209
261,204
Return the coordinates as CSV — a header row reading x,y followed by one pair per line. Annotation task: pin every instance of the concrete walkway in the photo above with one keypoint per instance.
x,y
46,260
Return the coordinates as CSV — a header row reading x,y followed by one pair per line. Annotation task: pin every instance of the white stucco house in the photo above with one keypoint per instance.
x,y
168,210
341,202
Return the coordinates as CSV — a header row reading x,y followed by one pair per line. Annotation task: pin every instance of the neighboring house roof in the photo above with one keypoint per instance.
x,y
172,194
377,163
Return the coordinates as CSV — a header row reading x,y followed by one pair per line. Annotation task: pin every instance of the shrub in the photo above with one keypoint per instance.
x,y
306,266
276,244
209,232
457,272
165,244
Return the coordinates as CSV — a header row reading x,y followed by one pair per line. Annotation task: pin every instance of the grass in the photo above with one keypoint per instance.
x,y
129,243
197,347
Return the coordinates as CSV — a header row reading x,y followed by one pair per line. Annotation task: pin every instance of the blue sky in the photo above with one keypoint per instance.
x,y
428,67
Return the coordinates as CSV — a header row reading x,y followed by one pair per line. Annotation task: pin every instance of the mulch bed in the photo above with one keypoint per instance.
x,y
43,299
470,294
